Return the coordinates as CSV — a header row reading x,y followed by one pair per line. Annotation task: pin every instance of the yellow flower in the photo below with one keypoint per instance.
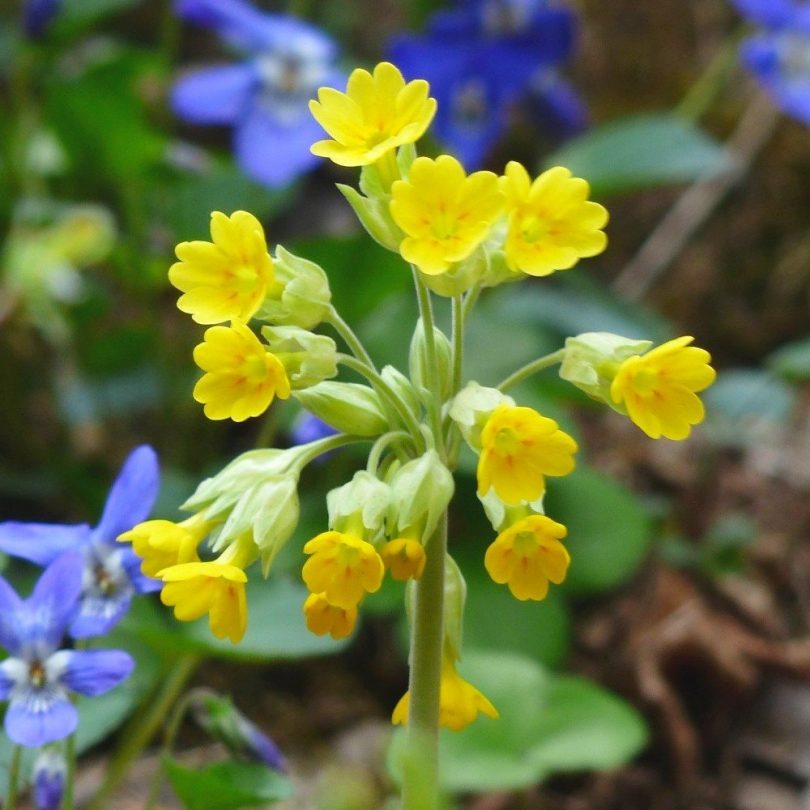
x,y
459,701
197,588
404,557
518,448
323,618
376,114
161,543
342,567
659,388
529,555
227,278
552,224
241,378
444,213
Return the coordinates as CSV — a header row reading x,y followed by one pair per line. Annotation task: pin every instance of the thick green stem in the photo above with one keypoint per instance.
x,y
13,777
140,732
420,786
529,369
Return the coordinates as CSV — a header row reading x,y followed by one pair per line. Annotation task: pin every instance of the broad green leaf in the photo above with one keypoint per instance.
x,y
792,361
226,785
608,529
642,151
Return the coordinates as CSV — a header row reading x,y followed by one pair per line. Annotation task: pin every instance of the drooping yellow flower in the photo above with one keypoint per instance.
x,y
342,567
323,617
377,113
161,543
659,388
459,701
518,448
228,278
552,224
404,558
196,588
528,555
241,378
444,213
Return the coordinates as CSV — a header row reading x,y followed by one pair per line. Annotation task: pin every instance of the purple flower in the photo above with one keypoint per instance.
x,y
308,428
111,570
38,677
49,772
779,55
482,58
37,16
265,98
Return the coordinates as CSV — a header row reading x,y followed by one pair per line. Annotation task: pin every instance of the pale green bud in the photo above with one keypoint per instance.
x,y
472,407
374,216
402,387
461,276
420,492
501,515
348,407
308,358
592,359
301,295
455,595
360,506
84,235
418,361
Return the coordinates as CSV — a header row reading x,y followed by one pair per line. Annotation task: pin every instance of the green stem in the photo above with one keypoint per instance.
x,y
267,432
420,787
382,444
348,334
13,777
144,727
321,446
458,342
532,368
70,776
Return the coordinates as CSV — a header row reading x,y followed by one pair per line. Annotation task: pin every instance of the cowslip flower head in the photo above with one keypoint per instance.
x,y
377,113
529,555
111,575
459,701
444,213
659,389
241,377
160,543
323,617
218,589
38,677
519,447
227,278
342,567
404,557
552,224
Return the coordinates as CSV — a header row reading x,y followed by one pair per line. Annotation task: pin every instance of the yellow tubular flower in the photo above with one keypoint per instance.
x,y
196,588
552,224
529,555
659,388
227,278
518,448
323,618
161,543
342,567
241,378
404,558
377,113
444,213
459,701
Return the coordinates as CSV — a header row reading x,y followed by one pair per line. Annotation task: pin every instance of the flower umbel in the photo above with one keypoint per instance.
x,y
323,618
552,224
529,555
518,448
242,378
659,388
444,213
226,278
161,543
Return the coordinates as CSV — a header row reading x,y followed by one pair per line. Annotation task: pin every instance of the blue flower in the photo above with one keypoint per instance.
x,y
49,772
485,56
38,677
308,428
264,98
111,571
37,16
779,56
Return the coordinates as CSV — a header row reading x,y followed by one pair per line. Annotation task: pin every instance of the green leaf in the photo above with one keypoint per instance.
x,y
608,529
792,361
226,785
642,151
77,15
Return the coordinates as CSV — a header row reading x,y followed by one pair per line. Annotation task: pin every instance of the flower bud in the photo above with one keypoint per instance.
x,y
592,359
403,388
501,515
418,361
455,595
374,216
460,276
308,358
85,235
471,408
301,296
420,493
360,506
348,407
48,777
